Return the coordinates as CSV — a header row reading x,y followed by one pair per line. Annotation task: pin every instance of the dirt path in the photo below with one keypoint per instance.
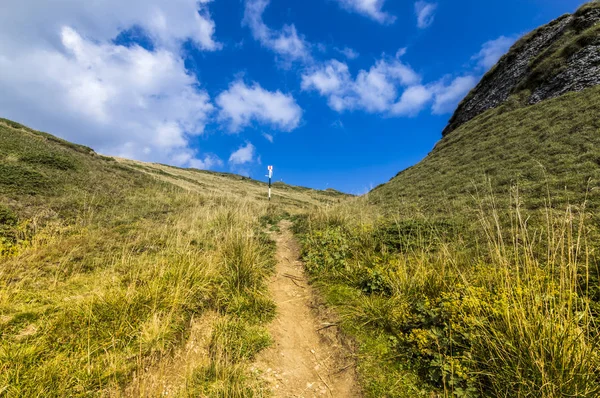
x,y
307,358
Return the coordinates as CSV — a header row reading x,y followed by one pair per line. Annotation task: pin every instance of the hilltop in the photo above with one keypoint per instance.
x,y
555,59
37,169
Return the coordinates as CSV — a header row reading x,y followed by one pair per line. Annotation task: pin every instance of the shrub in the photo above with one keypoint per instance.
x,y
21,180
7,217
51,160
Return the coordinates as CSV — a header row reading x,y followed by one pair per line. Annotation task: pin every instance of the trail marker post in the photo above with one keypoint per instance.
x,y
270,176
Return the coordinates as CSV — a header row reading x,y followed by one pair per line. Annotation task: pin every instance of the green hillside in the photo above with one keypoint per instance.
x,y
476,272
108,266
552,147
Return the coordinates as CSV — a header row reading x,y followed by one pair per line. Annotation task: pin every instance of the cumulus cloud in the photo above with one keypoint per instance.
x,y
393,88
208,161
374,90
390,87
167,22
245,154
447,96
412,101
369,8
124,101
62,72
425,13
241,104
492,51
348,52
286,42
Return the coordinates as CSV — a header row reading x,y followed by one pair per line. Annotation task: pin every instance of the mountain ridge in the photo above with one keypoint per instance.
x,y
556,58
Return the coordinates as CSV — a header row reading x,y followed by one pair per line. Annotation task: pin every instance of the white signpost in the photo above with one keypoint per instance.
x,y
270,176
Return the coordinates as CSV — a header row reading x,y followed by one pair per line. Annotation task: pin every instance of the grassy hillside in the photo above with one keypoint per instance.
x,y
549,148
475,273
108,266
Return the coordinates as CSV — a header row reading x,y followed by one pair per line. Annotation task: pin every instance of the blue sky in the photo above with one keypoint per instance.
x,y
334,93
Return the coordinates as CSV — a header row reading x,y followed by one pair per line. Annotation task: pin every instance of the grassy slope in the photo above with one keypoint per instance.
x,y
105,264
551,146
476,272
233,185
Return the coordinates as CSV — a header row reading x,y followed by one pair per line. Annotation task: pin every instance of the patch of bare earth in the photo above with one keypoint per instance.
x,y
308,357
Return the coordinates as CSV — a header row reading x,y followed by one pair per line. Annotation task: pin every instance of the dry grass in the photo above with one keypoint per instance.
x,y
504,307
106,268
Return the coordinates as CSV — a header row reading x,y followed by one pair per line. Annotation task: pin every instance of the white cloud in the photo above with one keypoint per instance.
x,y
492,51
401,52
124,101
348,52
209,161
412,101
390,87
369,8
245,154
167,22
331,78
268,137
62,73
448,96
425,13
286,42
240,105
374,91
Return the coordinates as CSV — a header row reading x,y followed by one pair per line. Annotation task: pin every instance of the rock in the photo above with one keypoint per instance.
x,y
583,71
538,63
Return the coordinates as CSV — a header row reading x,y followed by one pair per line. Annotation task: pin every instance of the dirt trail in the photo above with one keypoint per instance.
x,y
307,358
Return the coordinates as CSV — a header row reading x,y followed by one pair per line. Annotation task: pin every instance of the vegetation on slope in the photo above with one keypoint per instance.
x,y
500,309
551,147
475,273
107,264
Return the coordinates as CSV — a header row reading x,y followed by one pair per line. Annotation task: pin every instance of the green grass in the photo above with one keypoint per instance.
x,y
549,148
85,306
494,310
107,264
475,272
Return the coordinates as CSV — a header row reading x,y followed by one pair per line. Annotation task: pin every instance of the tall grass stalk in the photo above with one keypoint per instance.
x,y
541,340
494,306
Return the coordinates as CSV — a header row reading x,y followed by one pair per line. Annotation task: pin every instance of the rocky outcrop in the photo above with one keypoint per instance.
x,y
557,58
583,71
